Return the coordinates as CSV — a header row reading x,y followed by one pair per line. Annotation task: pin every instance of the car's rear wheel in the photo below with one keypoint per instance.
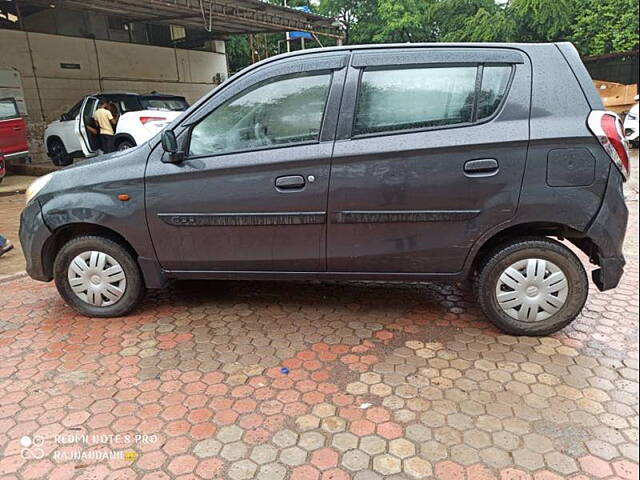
x,y
98,277
531,286
125,144
58,153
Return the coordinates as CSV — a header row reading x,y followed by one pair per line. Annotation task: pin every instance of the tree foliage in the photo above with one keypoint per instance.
x,y
605,26
594,26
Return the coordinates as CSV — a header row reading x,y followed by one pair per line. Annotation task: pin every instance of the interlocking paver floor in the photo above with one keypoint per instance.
x,y
382,381
243,380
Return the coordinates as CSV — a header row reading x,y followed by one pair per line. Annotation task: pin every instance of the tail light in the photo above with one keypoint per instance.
x,y
145,120
607,128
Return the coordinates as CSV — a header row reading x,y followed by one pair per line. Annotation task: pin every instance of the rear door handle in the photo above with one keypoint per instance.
x,y
484,166
290,182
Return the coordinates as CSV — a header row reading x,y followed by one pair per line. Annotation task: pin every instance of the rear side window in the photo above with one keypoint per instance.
x,y
494,87
427,97
176,104
125,103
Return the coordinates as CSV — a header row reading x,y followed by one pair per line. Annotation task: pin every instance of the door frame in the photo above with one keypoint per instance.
x,y
336,64
81,128
416,56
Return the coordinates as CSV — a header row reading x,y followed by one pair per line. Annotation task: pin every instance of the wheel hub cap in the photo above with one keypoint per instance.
x,y
532,290
97,278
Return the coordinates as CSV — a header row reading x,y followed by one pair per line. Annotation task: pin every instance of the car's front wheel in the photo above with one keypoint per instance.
x,y
98,277
531,286
58,153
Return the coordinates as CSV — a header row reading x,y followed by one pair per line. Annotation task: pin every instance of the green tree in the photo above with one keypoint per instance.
x,y
405,21
450,15
357,17
605,26
541,20
493,25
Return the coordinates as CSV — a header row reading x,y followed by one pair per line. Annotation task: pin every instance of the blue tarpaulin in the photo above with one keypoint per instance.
x,y
305,35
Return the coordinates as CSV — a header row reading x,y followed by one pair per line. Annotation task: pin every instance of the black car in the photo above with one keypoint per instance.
x,y
391,162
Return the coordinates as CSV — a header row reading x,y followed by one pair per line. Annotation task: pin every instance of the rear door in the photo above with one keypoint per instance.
x,y
430,153
252,193
13,134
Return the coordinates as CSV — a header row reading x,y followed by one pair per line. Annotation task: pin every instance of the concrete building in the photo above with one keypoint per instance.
x,y
65,49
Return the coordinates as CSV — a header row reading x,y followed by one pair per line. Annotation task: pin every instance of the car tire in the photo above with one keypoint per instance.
x,y
58,153
542,286
125,144
98,277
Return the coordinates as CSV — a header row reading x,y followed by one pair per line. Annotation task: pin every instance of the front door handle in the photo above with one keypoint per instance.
x,y
290,182
481,167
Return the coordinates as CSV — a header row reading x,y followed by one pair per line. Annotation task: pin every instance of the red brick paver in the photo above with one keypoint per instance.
x,y
383,381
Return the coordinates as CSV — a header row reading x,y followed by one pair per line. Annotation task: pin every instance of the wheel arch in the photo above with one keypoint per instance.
x,y
530,229
49,138
63,234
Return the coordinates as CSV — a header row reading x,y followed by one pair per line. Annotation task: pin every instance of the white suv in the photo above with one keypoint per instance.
x,y
631,125
141,117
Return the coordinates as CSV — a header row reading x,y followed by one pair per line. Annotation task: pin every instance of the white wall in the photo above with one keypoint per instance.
x,y
104,66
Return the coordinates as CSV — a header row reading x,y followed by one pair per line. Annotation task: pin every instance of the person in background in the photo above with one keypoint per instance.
x,y
105,120
5,245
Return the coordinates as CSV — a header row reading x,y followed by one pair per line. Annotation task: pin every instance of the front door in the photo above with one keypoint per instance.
x,y
88,141
13,131
431,150
252,193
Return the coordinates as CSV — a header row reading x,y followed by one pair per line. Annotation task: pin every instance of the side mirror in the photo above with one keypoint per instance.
x,y
170,146
64,117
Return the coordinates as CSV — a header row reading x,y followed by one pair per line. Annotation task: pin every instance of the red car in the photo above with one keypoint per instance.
x,y
13,132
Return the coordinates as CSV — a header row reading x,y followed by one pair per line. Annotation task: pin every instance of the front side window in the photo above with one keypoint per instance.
x,y
281,111
8,109
411,98
73,113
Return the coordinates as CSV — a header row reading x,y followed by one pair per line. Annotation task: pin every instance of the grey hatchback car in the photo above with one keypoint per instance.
x,y
423,162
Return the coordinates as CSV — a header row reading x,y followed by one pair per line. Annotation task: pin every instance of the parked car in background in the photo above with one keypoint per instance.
x,y
432,162
13,131
141,117
3,170
632,126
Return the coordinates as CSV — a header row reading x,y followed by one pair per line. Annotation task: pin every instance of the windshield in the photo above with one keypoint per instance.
x,y
176,104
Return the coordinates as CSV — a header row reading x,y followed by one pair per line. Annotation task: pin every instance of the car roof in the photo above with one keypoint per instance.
x,y
389,46
120,94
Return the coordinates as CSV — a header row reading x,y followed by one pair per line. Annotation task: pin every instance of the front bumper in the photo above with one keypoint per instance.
x,y
607,232
34,234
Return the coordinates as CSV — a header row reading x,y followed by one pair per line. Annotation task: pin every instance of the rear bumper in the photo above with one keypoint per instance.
x,y
33,236
607,232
